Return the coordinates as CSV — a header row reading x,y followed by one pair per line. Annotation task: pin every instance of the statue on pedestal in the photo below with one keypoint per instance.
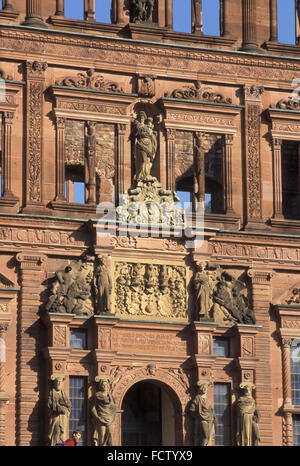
x,y
103,412
204,416
247,417
59,407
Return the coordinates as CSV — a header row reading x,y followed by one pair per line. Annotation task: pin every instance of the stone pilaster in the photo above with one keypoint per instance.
x,y
253,109
60,159
35,82
120,162
261,299
31,275
170,162
5,319
7,193
277,177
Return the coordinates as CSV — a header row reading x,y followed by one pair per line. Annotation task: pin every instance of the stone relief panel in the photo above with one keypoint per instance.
x,y
150,291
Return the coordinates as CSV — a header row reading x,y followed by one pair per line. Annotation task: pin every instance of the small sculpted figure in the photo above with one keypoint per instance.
x,y
203,291
59,407
204,416
103,412
247,417
103,286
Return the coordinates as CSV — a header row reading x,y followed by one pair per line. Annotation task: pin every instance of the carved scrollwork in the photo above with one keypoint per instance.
x,y
196,92
90,80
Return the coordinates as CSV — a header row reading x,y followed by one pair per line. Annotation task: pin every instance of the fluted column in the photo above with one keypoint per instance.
x,y
34,14
120,162
228,142
7,154
170,181
249,26
60,159
277,177
5,319
273,21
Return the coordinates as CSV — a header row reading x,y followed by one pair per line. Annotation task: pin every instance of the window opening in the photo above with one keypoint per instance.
x,y
295,372
74,10
102,11
211,17
222,412
221,347
290,180
78,398
182,16
78,338
286,19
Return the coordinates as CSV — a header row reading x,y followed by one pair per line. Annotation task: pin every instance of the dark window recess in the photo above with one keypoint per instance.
x,y
290,180
295,372
78,338
221,347
214,194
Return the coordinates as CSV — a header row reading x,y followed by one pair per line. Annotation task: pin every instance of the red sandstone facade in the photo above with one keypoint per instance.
x,y
59,74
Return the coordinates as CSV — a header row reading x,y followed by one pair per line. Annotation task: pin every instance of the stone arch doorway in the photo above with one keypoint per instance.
x,y
150,415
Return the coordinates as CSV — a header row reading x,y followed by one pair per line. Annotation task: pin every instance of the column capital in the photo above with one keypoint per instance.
x,y
259,276
253,93
31,261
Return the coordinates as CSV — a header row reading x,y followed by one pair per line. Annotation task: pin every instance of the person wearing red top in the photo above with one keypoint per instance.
x,y
72,442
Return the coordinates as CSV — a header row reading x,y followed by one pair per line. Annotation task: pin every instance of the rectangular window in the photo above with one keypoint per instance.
x,y
286,21
74,10
221,347
290,180
78,398
211,17
296,430
222,412
295,372
78,338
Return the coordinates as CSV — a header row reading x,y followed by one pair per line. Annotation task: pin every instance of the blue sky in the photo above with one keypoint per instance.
x,y
182,16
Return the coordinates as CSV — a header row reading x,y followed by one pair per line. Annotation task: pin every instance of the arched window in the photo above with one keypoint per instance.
x,y
286,14
102,11
74,10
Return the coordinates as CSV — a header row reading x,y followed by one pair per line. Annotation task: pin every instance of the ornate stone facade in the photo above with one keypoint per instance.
x,y
126,287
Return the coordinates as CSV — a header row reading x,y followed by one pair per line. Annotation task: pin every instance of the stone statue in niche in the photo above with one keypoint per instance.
x,y
141,11
204,417
247,417
218,296
145,145
103,413
147,202
103,286
82,288
59,407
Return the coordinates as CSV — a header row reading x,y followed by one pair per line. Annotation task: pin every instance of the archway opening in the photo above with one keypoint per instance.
x,y
148,417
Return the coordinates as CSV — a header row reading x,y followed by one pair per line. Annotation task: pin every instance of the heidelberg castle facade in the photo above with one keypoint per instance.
x,y
92,111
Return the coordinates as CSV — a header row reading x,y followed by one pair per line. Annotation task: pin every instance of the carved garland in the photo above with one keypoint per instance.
x,y
254,161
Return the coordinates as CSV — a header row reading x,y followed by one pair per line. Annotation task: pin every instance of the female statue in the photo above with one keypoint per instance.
x,y
204,416
103,413
145,145
59,407
247,417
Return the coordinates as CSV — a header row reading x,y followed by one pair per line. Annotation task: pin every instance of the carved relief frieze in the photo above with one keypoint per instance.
x,y
198,92
150,291
201,118
233,251
34,236
90,80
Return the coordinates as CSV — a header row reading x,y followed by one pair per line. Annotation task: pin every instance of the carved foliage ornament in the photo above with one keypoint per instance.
x,y
254,181
197,92
90,80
